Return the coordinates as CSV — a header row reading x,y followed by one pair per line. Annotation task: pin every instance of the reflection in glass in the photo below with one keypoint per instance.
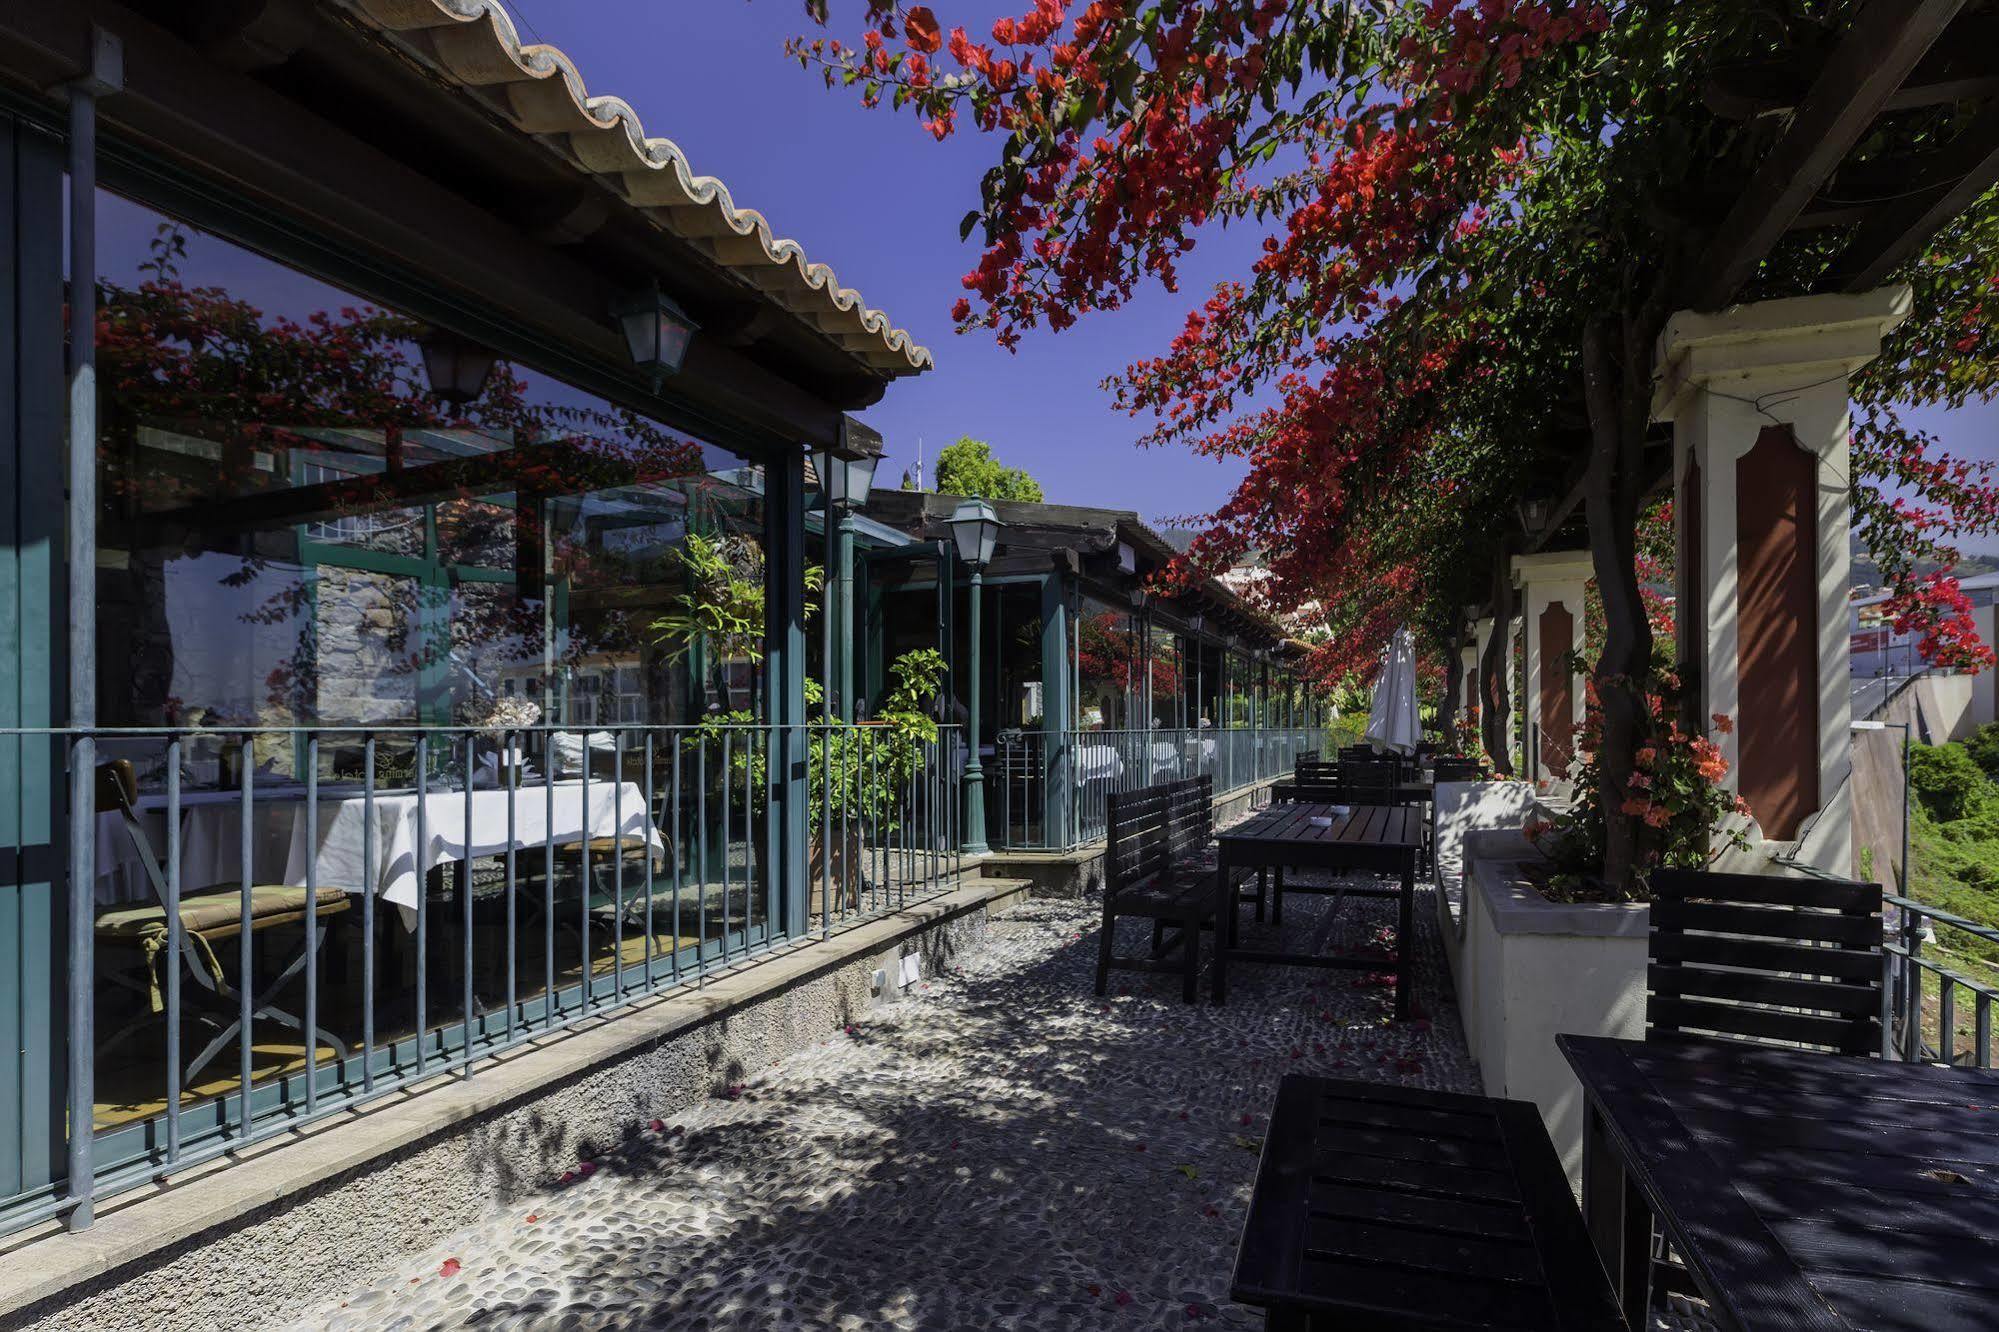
x,y
299,537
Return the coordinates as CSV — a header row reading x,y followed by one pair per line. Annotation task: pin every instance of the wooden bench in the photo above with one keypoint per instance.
x,y
1392,1207
1159,864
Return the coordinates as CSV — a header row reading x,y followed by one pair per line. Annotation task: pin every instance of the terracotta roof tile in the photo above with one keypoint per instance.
x,y
473,43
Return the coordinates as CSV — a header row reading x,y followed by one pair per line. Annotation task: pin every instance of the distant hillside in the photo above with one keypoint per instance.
x,y
1182,537
1868,574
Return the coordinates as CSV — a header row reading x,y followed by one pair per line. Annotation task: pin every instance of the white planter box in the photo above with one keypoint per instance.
x,y
1530,969
1459,810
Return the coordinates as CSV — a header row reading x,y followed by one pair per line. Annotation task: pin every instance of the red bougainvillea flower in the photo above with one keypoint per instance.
x,y
919,26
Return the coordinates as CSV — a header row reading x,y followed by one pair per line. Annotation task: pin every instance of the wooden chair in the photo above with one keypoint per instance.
x,y
1369,782
1149,829
1314,771
1452,769
1769,959
1766,958
208,917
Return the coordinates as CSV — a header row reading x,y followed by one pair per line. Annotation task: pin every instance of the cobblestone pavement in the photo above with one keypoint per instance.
x,y
1001,1149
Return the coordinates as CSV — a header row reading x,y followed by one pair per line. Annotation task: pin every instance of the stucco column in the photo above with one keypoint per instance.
x,y
1552,586
1757,396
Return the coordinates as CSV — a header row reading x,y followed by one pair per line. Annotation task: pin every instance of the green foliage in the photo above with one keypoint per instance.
x,y
1947,784
969,468
864,771
1983,747
1954,862
722,603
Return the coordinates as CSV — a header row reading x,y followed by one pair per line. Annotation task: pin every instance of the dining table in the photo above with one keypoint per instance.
x,y
384,843
1805,1191
1383,838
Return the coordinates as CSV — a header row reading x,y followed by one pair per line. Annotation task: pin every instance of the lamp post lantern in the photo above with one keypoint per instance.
x,y
975,527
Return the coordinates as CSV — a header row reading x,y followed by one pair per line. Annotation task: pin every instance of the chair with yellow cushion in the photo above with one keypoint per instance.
x,y
208,917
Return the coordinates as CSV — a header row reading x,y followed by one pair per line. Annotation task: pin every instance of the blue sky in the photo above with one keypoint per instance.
x,y
871,194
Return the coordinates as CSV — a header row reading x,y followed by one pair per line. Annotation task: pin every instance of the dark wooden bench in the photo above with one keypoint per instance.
x,y
1391,1207
1159,863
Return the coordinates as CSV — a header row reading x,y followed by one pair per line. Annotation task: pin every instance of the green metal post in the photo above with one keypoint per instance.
x,y
843,626
1056,727
975,778
788,796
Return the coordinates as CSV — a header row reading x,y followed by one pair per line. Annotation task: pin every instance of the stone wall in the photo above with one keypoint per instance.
x,y
504,1134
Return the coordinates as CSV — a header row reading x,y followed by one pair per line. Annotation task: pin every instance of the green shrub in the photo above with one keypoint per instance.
x,y
1983,747
1947,783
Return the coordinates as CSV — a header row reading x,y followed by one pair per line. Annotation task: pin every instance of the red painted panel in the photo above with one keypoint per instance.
x,y
1776,524
1558,696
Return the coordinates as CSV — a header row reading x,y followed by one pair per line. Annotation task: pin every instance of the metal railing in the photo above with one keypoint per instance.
x,y
1054,787
1943,978
381,905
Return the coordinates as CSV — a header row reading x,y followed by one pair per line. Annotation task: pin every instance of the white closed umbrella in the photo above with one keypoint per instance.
x,y
1393,722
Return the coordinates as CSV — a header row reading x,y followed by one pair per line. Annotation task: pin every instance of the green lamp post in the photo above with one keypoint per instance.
x,y
975,527
846,482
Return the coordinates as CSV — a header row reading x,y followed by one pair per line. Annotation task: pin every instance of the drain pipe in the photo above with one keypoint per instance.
x,y
105,73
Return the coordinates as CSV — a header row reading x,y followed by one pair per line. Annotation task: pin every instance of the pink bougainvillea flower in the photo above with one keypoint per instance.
x,y
450,1268
587,1169
1122,1298
657,1126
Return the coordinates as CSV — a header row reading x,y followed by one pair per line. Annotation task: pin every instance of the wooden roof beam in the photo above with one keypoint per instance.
x,y
1961,67
1866,69
1895,232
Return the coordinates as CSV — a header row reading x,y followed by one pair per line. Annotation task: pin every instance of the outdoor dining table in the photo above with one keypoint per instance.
x,y
1802,1190
1382,1207
1383,838
283,845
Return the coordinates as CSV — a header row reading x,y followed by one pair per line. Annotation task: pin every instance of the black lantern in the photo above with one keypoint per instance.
x,y
456,367
657,331
976,529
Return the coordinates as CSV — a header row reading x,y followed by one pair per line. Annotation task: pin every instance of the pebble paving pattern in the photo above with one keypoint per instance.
x,y
1000,1149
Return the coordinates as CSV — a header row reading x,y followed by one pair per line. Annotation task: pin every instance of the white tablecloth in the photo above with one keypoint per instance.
x,y
1095,761
615,809
282,845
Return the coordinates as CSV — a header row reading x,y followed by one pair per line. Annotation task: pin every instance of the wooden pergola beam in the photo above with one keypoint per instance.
x,y
1872,62
1895,232
1963,66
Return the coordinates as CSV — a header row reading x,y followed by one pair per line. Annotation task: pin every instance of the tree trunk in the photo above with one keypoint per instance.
x,y
1495,700
1613,489
1454,676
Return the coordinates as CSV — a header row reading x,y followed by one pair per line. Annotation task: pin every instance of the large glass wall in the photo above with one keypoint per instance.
x,y
317,537
1110,654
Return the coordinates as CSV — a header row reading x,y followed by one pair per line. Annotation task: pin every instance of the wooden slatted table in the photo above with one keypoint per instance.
x,y
1364,837
1803,1190
1392,1207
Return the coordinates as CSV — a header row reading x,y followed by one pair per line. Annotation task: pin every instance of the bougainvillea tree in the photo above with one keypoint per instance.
x,y
1477,216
